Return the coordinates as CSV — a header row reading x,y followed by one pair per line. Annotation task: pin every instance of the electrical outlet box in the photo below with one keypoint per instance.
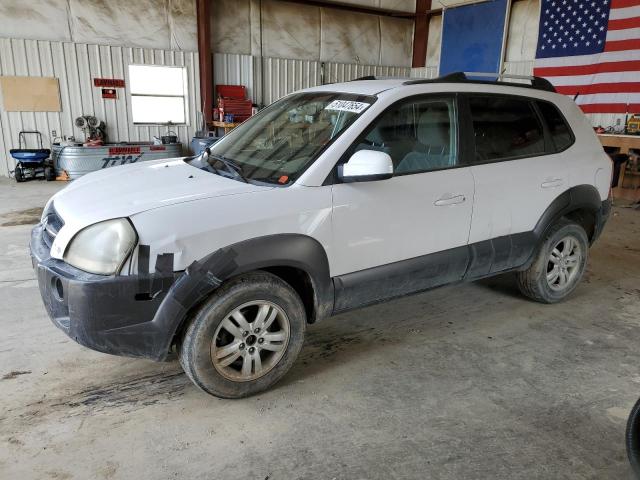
x,y
54,134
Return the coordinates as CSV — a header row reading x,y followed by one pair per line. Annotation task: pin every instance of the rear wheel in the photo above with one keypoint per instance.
x,y
245,337
559,264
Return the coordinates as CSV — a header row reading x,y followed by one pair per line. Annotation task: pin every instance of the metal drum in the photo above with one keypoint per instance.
x,y
79,160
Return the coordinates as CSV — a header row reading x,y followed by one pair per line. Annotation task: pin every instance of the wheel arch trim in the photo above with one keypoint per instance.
x,y
204,276
576,198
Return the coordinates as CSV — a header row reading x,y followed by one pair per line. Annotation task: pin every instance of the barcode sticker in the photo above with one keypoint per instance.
x,y
347,106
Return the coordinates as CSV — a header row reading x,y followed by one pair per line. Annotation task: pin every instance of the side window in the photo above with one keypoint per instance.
x,y
418,136
558,129
505,128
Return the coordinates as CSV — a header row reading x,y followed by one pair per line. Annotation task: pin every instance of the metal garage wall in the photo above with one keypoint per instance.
x,y
75,65
232,69
277,77
283,76
273,78
342,72
424,72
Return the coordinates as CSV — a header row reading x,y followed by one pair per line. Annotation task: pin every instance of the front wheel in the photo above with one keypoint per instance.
x,y
245,337
559,264
633,438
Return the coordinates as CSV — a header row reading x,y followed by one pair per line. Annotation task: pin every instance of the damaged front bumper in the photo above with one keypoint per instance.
x,y
122,315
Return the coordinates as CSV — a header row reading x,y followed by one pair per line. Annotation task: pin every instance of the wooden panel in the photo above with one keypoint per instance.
x,y
30,94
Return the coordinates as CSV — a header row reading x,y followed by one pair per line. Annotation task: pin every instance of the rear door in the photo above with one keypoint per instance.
x,y
516,170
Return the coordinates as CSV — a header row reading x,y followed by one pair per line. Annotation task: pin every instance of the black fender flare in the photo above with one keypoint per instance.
x,y
575,198
204,276
578,197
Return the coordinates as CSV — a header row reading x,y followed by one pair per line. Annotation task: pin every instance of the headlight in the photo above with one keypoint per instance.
x,y
103,247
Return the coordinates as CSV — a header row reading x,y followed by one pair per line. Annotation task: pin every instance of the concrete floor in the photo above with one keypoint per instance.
x,y
465,382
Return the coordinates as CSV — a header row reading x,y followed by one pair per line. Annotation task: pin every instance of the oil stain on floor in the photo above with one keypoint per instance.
x,y
125,397
30,216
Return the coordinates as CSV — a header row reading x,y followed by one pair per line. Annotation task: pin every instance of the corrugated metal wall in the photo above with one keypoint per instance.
x,y
277,77
233,69
424,72
342,72
274,78
75,65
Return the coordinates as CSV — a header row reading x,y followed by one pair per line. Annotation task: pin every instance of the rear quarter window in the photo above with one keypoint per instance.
x,y
559,131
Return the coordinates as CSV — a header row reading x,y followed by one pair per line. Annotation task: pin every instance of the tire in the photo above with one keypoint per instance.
x,y
49,174
632,438
19,175
551,259
214,336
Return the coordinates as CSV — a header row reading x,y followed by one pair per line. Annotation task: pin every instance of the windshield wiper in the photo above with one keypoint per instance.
x,y
231,166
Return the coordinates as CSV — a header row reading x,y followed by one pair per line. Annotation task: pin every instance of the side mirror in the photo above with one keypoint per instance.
x,y
366,166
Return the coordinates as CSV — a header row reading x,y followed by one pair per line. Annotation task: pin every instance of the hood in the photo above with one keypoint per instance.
x,y
129,189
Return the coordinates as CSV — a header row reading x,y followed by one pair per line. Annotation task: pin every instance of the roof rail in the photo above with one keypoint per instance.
x,y
537,83
376,77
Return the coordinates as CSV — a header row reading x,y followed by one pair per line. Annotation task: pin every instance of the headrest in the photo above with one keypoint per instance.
x,y
433,127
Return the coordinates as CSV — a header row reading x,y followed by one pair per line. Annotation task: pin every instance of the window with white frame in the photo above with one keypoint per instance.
x,y
158,94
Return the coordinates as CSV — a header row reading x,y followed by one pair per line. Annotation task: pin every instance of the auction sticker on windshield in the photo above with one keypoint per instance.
x,y
347,106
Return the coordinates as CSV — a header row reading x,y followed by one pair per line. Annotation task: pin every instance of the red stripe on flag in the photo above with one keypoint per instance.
x,y
610,108
629,87
618,45
605,67
624,23
624,3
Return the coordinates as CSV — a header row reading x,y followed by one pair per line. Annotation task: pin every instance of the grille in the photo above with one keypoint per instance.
x,y
51,224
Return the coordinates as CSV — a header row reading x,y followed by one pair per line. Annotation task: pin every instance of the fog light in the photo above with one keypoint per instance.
x,y
58,289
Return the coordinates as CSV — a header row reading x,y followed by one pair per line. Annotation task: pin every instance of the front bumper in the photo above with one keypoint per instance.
x,y
120,315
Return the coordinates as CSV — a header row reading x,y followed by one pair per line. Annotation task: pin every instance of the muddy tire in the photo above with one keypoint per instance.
x,y
245,337
559,264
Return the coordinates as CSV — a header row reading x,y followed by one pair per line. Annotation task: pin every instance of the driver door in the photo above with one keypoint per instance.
x,y
408,233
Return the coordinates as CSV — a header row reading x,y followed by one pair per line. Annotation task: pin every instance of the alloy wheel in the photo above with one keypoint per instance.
x,y
564,263
250,341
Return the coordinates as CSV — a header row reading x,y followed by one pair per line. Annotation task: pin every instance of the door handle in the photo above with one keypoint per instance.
x,y
449,200
552,182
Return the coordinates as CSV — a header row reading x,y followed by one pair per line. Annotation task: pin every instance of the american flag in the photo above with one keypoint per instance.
x,y
592,48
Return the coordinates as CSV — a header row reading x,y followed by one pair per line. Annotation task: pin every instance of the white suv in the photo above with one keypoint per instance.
x,y
330,199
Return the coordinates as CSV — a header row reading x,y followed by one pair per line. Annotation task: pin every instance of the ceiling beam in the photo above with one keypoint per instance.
x,y
337,5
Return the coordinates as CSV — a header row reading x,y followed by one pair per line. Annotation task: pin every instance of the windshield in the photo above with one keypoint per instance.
x,y
281,141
